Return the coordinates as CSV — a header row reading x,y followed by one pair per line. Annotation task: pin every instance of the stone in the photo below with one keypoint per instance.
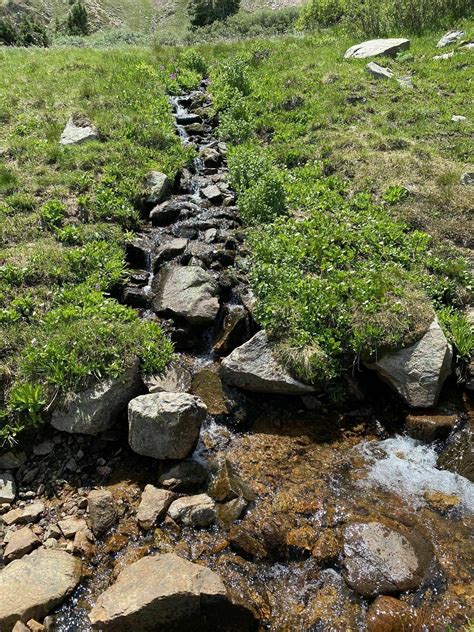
x,y
458,118
406,81
377,47
379,72
102,510
233,330
7,488
418,372
231,511
189,292
12,517
166,592
211,158
165,425
33,586
82,544
28,514
165,214
254,367
44,448
449,38
77,132
175,379
195,511
207,385
187,476
12,460
188,119
430,427
442,502
153,506
467,179
388,614
35,626
20,543
444,55
227,485
380,559
96,409
20,627
156,187
138,251
212,193
71,525
169,250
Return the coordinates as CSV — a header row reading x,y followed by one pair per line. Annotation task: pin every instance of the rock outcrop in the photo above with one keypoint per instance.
x,y
33,586
418,372
96,409
380,559
377,48
165,425
167,593
254,367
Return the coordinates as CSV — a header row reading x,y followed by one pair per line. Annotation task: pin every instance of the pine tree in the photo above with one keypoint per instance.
x,y
203,12
78,20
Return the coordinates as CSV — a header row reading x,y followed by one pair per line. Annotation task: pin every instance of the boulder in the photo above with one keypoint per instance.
x,y
212,193
165,593
377,47
449,38
194,511
231,511
153,506
71,525
165,425
467,179
165,214
34,585
189,292
254,367
102,510
169,250
96,409
187,476
7,488
20,543
379,72
418,372
77,132
155,188
381,559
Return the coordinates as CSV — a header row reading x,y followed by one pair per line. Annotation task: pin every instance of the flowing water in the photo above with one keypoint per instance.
x,y
310,472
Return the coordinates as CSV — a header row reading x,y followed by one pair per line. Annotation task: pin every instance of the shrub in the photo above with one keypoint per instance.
x,y
264,200
26,31
193,61
78,20
203,12
322,13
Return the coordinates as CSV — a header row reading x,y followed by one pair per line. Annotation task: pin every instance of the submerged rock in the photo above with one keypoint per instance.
x,y
165,425
102,510
380,559
449,38
418,372
165,593
254,367
377,47
390,615
196,511
189,292
187,476
96,409
207,385
34,585
77,132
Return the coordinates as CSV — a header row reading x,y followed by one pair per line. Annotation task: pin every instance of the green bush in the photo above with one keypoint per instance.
x,y
322,13
25,31
203,12
78,20
264,200
194,61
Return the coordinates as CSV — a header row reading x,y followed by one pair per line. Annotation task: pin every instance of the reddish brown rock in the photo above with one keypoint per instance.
x,y
430,426
387,614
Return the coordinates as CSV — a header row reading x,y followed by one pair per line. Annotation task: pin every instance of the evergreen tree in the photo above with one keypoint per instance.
x,y
78,20
203,12
8,32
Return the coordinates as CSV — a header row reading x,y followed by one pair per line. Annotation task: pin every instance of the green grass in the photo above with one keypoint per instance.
x,y
65,213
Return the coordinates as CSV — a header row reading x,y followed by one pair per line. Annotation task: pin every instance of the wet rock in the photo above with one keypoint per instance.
x,y
168,593
44,448
20,543
96,409
467,179
379,559
195,511
212,193
390,615
175,379
169,250
33,586
211,158
327,547
449,38
247,542
234,329
430,427
83,545
70,526
12,460
377,47
441,502
165,425
254,367
153,506
227,485
379,72
418,372
332,606
138,251
7,488
189,292
156,188
165,214
207,385
136,297
187,476
188,119
231,511
196,129
77,132
102,511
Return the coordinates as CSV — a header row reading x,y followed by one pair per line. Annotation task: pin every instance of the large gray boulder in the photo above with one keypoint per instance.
x,y
34,585
189,292
254,367
418,372
167,593
77,132
377,48
155,187
96,409
165,425
381,559
449,38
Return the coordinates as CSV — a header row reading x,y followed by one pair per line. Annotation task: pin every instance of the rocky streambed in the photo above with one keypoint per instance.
x,y
234,498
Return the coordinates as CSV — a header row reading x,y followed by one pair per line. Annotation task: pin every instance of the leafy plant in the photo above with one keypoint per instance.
x,y
459,331
27,399
52,214
395,194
